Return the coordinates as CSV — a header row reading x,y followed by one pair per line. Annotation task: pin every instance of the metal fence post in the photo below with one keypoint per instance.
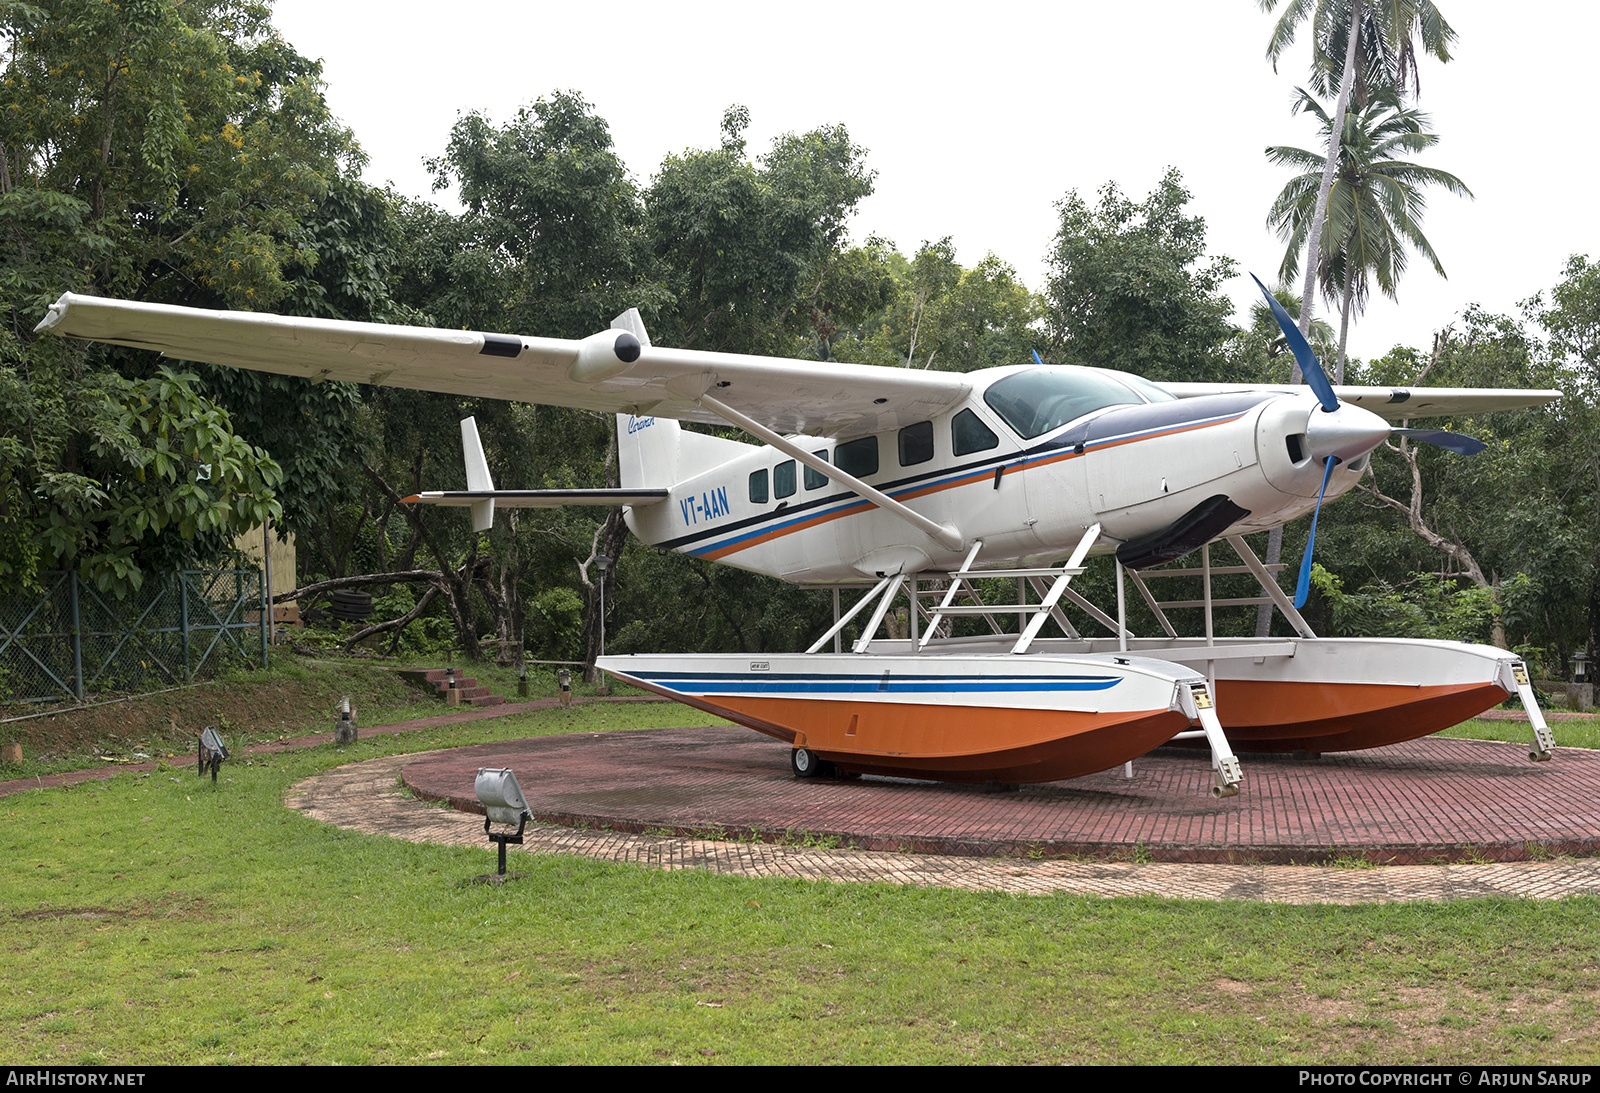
x,y
77,635
183,625
266,620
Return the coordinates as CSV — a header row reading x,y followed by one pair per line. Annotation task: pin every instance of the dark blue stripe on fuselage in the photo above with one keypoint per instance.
x,y
1123,420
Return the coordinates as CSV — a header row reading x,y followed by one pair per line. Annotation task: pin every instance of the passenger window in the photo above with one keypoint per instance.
x,y
916,443
968,434
815,481
783,479
758,487
857,457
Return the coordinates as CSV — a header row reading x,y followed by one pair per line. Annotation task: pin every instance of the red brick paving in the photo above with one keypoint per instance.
x,y
1429,800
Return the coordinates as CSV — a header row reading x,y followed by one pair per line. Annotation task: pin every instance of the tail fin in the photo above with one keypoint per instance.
x,y
477,475
647,451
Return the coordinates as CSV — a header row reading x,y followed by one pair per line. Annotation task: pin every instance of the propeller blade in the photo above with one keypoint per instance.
x,y
1310,367
1460,443
1303,588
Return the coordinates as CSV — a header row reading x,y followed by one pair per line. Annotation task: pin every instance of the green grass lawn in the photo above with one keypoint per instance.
x,y
1577,733
155,919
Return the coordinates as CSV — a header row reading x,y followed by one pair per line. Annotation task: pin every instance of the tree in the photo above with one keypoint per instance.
x,y
1265,341
936,314
1131,287
161,152
551,241
1572,323
747,248
1391,30
550,214
1374,208
1573,319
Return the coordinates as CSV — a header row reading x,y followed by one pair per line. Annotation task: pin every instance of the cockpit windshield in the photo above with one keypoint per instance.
x,y
1042,399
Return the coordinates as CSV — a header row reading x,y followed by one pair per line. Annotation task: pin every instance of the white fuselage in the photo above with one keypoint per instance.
x,y
1135,468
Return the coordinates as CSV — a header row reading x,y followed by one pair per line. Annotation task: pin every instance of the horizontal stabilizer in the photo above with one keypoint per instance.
x,y
539,499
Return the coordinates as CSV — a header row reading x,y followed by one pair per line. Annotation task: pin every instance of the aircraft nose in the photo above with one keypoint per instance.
x,y
1348,433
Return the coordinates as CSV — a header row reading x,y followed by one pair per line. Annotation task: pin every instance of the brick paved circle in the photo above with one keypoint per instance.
x,y
1427,801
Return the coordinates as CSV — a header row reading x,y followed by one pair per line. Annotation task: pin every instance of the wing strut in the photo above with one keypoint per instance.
x,y
945,534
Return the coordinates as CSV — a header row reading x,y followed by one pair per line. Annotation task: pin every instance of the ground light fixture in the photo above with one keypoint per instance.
x,y
211,752
503,803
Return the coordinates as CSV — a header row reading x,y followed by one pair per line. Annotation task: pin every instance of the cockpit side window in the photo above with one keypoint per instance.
x,y
1040,400
968,434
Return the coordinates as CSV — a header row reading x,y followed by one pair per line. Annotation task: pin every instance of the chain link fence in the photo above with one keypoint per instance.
x,y
74,640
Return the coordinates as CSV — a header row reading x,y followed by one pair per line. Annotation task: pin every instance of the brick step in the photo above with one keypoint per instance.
x,y
428,675
466,686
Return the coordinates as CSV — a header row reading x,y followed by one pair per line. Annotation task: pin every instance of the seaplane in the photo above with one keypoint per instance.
x,y
931,486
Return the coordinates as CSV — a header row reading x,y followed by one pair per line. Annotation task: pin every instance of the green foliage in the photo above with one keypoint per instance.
x,y
1131,287
1431,607
747,247
1573,318
559,614
131,475
1375,206
1391,33
154,151
949,318
552,216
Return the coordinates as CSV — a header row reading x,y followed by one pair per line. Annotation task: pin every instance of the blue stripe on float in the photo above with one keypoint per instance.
x,y
721,683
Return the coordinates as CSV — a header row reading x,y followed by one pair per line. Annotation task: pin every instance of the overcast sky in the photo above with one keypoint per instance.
x,y
978,122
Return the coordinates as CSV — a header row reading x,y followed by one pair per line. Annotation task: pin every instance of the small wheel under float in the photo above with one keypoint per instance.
x,y
806,764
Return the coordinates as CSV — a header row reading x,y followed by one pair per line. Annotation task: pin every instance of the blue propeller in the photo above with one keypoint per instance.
x,y
1317,379
1302,588
1310,367
1460,443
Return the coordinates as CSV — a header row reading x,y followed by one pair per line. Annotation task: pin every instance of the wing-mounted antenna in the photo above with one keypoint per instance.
x,y
631,321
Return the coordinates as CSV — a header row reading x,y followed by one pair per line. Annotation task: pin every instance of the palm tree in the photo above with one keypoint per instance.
x,y
1264,331
1374,207
1391,30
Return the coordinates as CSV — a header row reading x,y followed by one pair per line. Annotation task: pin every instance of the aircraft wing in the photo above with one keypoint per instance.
x,y
1395,403
814,398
